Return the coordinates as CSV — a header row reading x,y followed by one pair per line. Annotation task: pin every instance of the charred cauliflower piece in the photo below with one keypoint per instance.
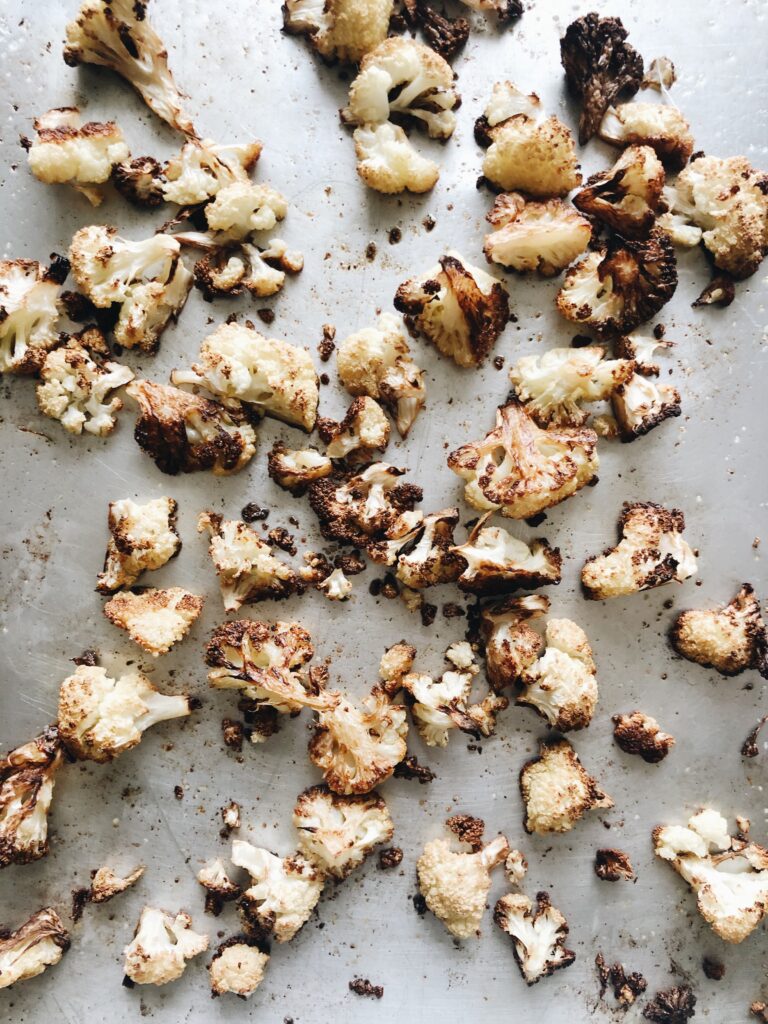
x,y
728,875
730,639
116,34
511,645
38,943
628,197
295,469
342,30
142,537
155,619
561,684
642,350
237,966
29,310
538,936
283,891
388,162
638,733
27,777
620,285
140,181
458,307
652,552
101,717
535,236
660,126
557,790
376,362
364,430
219,887
161,947
337,832
202,168
427,557
520,469
106,883
497,562
640,404
231,268
599,65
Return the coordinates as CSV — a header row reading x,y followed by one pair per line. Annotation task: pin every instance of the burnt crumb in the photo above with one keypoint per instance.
x,y
351,565
580,341
659,331
25,142
194,702
325,379
429,223
409,768
89,658
370,252
363,987
749,747
419,904
713,969
453,611
389,587
759,1010
536,520
626,987
498,363
390,858
267,316
128,982
80,897
178,792
260,718
232,733
467,829
252,513
327,345
720,291
613,865
394,236
428,613
674,1006
282,539
374,587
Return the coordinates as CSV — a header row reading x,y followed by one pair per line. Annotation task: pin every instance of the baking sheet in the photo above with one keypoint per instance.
x,y
246,79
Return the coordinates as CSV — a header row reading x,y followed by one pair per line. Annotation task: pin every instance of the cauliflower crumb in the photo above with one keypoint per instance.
x,y
535,236
730,639
219,887
338,832
238,966
557,790
283,891
38,943
515,867
336,586
161,947
106,883
155,619
142,537
27,778
538,935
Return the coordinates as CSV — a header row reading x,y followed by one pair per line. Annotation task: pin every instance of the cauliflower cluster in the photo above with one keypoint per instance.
x,y
142,537
338,832
660,126
557,790
730,639
538,936
38,943
27,778
342,30
155,619
628,197
29,310
161,946
535,236
494,562
283,892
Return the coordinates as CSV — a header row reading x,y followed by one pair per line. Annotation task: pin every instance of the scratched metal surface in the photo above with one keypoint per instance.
x,y
246,79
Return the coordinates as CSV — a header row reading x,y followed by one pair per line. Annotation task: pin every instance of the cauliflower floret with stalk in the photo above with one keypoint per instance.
x,y
538,936
388,162
202,169
237,966
561,684
27,778
155,619
243,207
730,639
535,236
627,197
142,537
336,586
338,832
640,404
101,717
106,883
458,307
658,125
342,30
425,556
283,891
295,469
161,946
557,790
29,309
38,943
230,268
496,562
364,429
651,552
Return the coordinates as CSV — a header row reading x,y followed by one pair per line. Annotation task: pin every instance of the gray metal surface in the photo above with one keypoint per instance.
x,y
246,79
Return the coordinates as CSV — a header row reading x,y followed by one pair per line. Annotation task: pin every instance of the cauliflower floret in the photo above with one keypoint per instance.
x,y
557,790
505,10
405,78
652,552
538,935
339,29
161,947
638,733
561,684
142,537
76,383
140,181
101,717
150,307
520,469
515,867
338,832
29,309
553,384
357,748
185,433
527,236
219,887
237,966
427,557
730,639
202,169
728,875
27,777
243,207
155,619
455,885
116,34
376,362
364,429
627,197
640,404
642,349
283,893
336,586
388,162
497,562
106,883
511,645
38,943
230,268
458,307
294,470
395,663
618,286
660,126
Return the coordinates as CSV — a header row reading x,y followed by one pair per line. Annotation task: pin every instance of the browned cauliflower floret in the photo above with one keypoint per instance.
x,y
395,663
27,777
38,943
628,196
495,561
161,947
106,883
599,65
458,307
140,181
561,683
283,892
638,733
230,268
183,432
336,586
660,126
520,469
528,235
511,645
219,887
388,162
294,469
142,537
425,556
203,168
364,430
154,619
339,29
237,966
652,552
557,790
730,639
538,936
29,311
640,404
338,832
613,865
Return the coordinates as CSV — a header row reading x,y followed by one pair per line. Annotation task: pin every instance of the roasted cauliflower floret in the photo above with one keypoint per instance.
x,y
627,197
511,645
107,883
76,382
339,29
295,469
458,307
557,790
161,947
640,404
27,777
497,562
638,733
219,887
652,552
515,867
337,832
243,207
231,268
283,891
155,619
38,943
140,181
728,875
535,236
660,126
561,684
395,663
730,639
552,385
116,34
336,586
29,309
388,162
184,432
364,429
427,557
520,469
142,537
237,966
538,936
376,362
201,169
642,350
101,717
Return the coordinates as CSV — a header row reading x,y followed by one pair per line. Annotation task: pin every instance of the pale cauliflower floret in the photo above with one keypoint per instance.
x,y
161,947
29,309
202,169
660,126
283,891
106,883
542,236
729,639
294,469
364,429
511,645
150,307
538,935
155,619
388,162
27,778
243,207
38,943
338,832
336,586
561,684
458,307
627,197
101,717
495,561
238,966
106,267
553,385
557,790
142,537
339,29
652,552
640,404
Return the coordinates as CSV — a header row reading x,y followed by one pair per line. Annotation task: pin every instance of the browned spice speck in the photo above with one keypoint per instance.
x,y
428,613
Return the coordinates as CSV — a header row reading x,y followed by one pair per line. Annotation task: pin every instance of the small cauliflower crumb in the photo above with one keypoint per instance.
x,y
336,586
